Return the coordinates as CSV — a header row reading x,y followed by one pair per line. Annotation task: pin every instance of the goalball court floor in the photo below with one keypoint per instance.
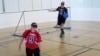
x,y
82,40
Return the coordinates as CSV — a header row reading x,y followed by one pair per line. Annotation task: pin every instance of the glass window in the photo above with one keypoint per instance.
x,y
1,9
55,3
11,5
25,5
37,4
46,4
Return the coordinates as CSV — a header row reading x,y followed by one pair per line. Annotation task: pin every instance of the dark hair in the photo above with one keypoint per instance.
x,y
62,3
34,25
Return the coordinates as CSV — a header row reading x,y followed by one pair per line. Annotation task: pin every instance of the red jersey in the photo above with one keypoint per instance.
x,y
32,39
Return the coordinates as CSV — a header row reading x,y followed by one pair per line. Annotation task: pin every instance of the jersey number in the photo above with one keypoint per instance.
x,y
31,39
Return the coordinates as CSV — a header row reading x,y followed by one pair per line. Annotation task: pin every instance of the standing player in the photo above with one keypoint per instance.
x,y
61,18
33,40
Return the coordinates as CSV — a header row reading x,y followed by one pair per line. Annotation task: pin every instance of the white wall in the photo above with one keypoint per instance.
x,y
11,19
85,14
85,10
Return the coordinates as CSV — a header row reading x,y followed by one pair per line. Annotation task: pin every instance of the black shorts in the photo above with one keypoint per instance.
x,y
61,20
34,52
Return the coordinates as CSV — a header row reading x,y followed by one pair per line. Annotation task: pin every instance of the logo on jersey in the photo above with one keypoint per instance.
x,y
31,39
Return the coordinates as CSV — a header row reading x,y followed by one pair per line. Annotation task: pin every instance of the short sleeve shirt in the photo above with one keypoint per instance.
x,y
32,39
62,10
